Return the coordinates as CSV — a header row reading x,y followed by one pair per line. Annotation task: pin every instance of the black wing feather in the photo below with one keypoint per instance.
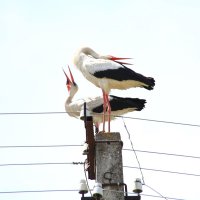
x,y
124,73
119,103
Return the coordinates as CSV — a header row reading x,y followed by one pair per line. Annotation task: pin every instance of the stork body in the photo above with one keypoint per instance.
x,y
119,105
107,73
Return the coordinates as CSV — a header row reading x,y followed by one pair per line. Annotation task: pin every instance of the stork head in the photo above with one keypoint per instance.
x,y
72,87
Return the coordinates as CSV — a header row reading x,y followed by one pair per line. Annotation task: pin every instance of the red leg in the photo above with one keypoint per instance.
x,y
108,110
104,109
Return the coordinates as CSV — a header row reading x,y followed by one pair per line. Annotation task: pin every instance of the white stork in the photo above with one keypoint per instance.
x,y
107,73
119,105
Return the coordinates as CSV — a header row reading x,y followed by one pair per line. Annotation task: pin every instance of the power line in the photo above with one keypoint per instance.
x,y
71,190
48,163
163,121
41,146
33,113
172,198
135,118
80,145
82,163
163,153
129,137
35,191
156,192
165,171
37,146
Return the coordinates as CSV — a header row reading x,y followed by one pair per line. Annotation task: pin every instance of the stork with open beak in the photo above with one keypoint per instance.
x,y
109,72
119,105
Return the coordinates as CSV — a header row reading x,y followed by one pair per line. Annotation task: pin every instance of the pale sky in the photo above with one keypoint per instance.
x,y
38,38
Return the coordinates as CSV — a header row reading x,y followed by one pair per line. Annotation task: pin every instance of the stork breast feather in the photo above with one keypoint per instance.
x,y
99,65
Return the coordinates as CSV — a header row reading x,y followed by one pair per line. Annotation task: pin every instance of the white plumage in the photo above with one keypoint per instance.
x,y
119,105
107,73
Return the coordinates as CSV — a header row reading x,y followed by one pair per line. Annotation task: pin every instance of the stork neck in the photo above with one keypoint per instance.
x,y
89,51
73,91
69,100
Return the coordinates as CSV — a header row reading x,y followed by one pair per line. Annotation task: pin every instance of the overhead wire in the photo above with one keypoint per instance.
x,y
130,193
163,153
34,113
80,145
156,192
134,118
36,191
47,163
150,120
172,198
139,166
82,163
164,171
129,137
142,194
162,121
42,146
73,190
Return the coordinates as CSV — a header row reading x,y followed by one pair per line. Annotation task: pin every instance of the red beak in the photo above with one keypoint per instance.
x,y
72,78
68,82
117,58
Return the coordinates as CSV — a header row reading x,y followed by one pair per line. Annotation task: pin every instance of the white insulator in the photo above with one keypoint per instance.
x,y
97,190
83,187
137,188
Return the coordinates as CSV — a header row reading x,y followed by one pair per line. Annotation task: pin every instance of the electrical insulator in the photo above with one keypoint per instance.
x,y
83,187
137,186
97,190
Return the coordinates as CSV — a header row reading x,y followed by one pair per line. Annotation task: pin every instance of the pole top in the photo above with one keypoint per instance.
x,y
115,136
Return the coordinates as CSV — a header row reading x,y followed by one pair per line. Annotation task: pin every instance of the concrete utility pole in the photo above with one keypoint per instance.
x,y
109,168
104,164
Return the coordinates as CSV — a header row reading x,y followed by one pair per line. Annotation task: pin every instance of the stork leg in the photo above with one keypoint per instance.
x,y
108,109
104,109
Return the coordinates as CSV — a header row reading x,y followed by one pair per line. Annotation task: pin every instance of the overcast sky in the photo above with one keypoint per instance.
x,y
38,38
